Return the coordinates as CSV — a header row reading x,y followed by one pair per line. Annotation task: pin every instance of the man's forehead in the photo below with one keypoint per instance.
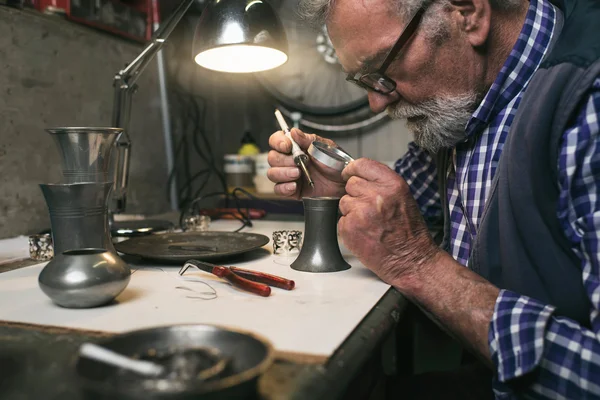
x,y
362,8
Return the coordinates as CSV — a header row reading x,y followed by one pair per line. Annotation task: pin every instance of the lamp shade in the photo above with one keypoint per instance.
x,y
239,36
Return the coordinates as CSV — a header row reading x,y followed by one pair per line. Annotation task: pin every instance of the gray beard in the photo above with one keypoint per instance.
x,y
438,123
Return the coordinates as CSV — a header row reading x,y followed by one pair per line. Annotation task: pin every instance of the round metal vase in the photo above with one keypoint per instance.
x,y
320,251
85,152
79,215
84,278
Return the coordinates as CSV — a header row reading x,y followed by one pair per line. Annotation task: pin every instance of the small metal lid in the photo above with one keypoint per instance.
x,y
333,157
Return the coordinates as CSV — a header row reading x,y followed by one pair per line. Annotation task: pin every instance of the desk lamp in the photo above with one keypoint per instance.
x,y
236,36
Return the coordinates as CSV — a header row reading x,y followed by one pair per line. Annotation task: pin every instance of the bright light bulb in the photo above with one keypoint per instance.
x,y
241,58
233,33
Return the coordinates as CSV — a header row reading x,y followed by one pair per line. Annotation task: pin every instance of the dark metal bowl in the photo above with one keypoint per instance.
x,y
247,355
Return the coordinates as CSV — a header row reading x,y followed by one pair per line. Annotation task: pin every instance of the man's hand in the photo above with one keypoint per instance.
x,y
287,176
382,224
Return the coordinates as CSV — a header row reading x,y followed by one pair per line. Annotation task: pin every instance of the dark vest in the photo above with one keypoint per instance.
x,y
520,244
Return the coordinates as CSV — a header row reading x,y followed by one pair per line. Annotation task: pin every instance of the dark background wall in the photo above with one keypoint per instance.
x,y
56,73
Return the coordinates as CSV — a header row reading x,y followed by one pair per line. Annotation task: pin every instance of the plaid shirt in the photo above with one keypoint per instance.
x,y
524,335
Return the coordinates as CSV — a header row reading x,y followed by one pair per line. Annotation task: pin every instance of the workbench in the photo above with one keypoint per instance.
x,y
356,348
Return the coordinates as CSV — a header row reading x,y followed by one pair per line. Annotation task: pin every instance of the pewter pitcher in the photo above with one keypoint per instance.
x,y
79,215
320,251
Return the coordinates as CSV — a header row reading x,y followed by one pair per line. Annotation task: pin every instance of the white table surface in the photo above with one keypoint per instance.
x,y
314,318
14,249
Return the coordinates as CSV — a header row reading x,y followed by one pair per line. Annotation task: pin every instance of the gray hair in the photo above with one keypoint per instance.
x,y
317,11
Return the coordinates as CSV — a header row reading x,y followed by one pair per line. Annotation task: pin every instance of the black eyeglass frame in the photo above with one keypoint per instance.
x,y
377,81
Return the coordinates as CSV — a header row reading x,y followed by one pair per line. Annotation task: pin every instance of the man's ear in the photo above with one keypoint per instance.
x,y
474,19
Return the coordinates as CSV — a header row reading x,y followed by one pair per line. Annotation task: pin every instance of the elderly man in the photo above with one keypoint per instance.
x,y
503,99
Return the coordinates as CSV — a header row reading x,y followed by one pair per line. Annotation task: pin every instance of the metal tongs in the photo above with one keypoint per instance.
x,y
245,279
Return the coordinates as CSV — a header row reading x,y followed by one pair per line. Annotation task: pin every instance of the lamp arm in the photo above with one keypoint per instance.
x,y
124,84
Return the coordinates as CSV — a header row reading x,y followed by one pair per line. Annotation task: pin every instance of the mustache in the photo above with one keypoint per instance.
x,y
438,107
439,122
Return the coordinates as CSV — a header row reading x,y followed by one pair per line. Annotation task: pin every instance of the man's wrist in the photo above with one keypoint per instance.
x,y
429,270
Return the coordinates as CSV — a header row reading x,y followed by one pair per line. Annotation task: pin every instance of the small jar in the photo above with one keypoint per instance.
x,y
239,171
261,180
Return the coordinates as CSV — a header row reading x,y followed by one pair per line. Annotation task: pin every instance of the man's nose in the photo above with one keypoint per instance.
x,y
379,102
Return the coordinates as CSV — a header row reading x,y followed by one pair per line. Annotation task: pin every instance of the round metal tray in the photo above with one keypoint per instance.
x,y
182,246
247,356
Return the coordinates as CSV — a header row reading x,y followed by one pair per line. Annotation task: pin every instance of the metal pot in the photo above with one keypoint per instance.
x,y
84,278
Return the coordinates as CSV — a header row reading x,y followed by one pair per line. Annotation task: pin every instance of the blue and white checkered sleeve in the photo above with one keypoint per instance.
x,y
418,169
560,357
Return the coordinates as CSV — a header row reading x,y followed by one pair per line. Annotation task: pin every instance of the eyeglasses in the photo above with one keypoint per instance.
x,y
377,81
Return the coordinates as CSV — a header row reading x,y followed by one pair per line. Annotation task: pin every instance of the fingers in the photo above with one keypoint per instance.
x,y
286,189
355,216
279,142
277,159
303,139
356,186
367,169
344,204
283,174
359,208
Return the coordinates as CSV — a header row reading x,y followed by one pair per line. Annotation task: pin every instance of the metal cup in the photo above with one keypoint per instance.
x,y
320,251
